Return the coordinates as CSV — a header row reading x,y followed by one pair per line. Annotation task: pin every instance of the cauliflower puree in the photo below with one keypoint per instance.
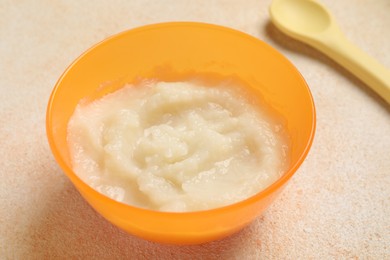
x,y
176,146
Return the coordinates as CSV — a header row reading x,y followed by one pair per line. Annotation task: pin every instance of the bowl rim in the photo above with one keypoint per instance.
x,y
281,181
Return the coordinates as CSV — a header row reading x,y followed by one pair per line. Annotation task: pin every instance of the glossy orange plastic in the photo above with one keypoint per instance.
x,y
170,51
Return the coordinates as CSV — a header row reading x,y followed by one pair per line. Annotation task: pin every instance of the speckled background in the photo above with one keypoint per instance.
x,y
337,206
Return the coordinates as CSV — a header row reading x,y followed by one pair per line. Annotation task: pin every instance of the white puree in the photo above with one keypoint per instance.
x,y
176,146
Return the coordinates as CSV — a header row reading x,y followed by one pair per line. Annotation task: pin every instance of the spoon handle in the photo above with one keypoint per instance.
x,y
371,72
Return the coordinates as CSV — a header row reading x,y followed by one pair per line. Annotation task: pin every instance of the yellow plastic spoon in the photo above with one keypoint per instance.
x,y
310,22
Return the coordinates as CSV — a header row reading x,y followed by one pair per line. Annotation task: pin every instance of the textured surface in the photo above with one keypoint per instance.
x,y
336,206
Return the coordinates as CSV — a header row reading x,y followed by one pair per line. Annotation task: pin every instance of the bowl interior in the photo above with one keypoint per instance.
x,y
174,51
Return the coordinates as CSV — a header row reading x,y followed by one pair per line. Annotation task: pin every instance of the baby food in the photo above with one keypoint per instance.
x,y
176,146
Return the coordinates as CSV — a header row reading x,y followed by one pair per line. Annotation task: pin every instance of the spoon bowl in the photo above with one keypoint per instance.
x,y
310,22
305,17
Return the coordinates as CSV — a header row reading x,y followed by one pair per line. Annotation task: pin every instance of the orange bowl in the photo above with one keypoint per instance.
x,y
172,51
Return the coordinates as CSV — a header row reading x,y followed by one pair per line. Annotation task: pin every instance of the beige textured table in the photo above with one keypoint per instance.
x,y
337,206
